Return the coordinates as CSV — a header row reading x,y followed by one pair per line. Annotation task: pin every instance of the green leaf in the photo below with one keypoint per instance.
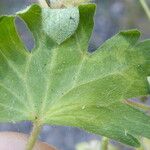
x,y
64,84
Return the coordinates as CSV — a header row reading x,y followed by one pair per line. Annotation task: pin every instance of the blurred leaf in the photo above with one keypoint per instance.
x,y
93,145
148,79
146,143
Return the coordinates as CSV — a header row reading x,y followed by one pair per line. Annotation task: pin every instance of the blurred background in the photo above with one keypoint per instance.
x,y
111,16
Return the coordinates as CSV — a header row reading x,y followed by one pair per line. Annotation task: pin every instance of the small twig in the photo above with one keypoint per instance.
x,y
145,7
48,2
138,105
104,143
44,3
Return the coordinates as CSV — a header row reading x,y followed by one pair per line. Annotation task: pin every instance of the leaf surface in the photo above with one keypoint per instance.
x,y
61,83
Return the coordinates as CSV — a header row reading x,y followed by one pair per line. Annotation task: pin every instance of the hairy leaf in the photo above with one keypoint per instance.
x,y
61,83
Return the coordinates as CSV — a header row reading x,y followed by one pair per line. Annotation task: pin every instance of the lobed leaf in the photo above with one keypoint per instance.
x,y
61,83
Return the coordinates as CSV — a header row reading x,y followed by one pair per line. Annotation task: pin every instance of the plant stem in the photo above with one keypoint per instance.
x,y
44,3
138,105
33,137
104,143
145,7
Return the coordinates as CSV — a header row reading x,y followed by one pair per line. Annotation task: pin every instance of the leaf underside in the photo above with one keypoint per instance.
x,y
61,83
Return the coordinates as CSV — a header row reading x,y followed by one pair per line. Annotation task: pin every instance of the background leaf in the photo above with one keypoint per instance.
x,y
63,84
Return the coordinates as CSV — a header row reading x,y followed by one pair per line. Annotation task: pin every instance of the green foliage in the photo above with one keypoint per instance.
x,y
61,83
